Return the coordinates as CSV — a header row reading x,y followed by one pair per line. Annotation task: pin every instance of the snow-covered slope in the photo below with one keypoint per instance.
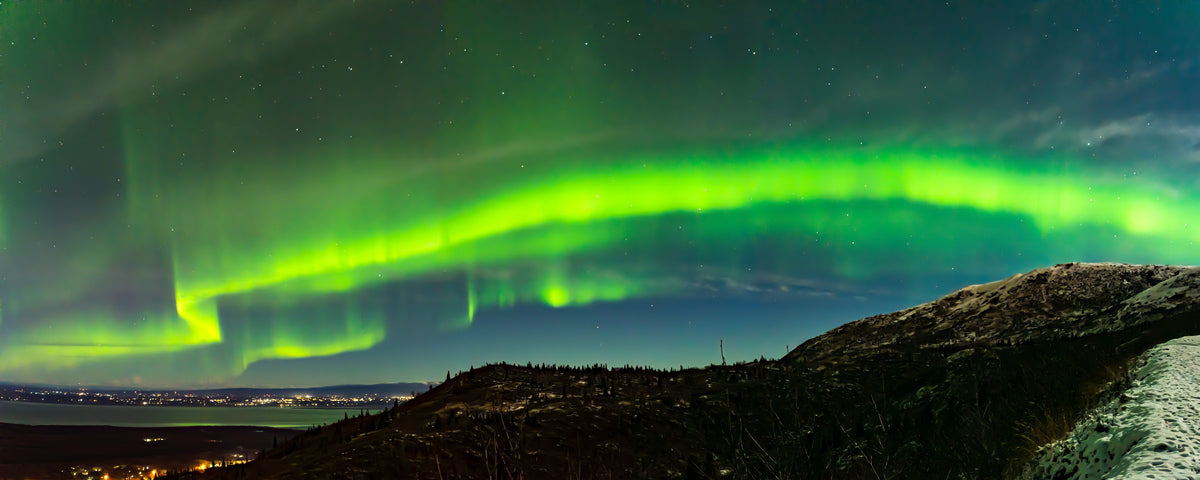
x,y
1150,431
1065,301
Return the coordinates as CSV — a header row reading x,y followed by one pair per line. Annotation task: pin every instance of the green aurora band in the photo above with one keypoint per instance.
x,y
276,257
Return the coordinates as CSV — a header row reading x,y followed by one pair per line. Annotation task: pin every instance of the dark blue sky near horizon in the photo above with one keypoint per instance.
x,y
272,193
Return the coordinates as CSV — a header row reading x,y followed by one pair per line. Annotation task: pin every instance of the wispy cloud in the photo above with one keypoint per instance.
x,y
242,33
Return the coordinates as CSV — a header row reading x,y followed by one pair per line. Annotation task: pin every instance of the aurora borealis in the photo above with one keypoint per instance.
x,y
304,193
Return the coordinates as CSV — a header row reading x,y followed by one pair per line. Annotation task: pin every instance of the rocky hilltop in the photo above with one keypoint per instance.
x,y
1063,301
972,385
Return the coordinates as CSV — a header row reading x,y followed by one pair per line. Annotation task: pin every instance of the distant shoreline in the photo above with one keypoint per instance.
x,y
45,451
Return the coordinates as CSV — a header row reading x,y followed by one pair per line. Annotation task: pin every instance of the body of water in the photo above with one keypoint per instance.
x,y
30,413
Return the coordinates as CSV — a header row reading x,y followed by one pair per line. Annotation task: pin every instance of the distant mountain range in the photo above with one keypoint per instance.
x,y
972,385
378,390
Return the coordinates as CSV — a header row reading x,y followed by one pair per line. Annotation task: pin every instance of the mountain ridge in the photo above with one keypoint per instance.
x,y
977,302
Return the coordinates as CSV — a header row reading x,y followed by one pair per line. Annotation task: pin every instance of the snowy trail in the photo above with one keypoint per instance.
x,y
1151,431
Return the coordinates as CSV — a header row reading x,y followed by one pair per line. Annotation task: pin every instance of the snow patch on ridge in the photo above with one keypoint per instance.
x,y
1151,431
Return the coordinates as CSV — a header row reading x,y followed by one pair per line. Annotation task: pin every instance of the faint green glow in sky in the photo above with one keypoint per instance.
x,y
189,191
351,239
462,233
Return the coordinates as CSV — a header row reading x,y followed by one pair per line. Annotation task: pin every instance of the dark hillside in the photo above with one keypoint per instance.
x,y
968,386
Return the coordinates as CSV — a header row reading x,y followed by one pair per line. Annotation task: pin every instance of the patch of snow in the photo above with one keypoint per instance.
x,y
1151,431
1176,291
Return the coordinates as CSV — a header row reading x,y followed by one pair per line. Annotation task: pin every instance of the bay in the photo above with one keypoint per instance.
x,y
31,413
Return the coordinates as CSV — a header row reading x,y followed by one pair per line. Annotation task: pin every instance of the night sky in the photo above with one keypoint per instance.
x,y
302,193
